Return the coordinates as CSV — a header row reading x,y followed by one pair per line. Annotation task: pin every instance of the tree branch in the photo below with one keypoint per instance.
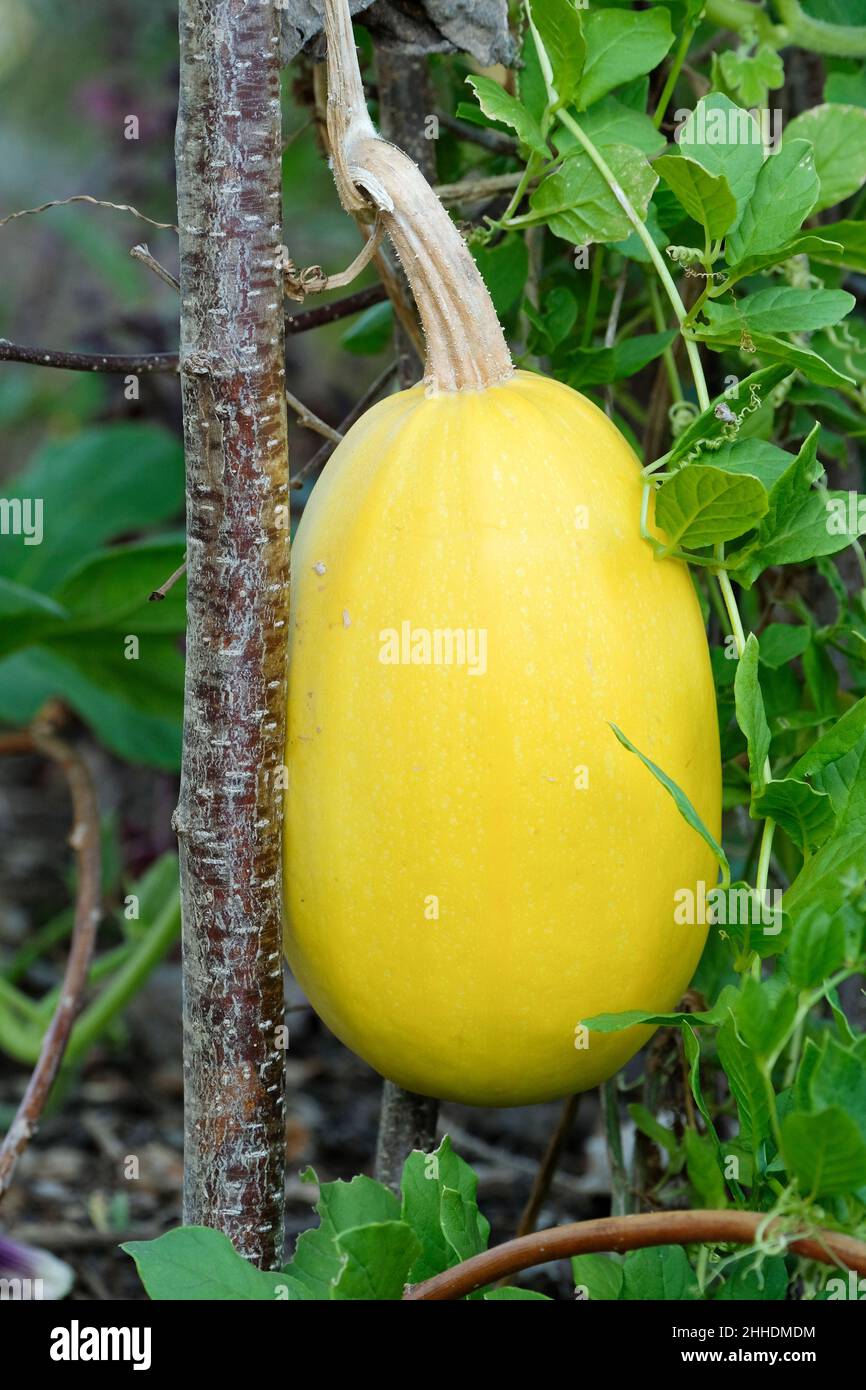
x,y
147,362
85,840
136,362
621,1233
321,456
229,815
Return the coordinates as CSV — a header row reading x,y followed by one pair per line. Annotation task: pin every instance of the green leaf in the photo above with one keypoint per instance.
x,y
134,707
767,1281
681,801
797,357
751,922
613,1023
838,1077
781,309
371,332
750,76
598,366
530,79
816,948
799,521
804,244
500,105
561,33
706,197
16,601
837,135
342,1207
781,643
824,1152
714,423
510,1294
702,1166
504,269
100,484
25,614
746,1084
846,246
835,760
836,764
805,814
846,88
560,314
112,589
621,45
439,1203
785,192
611,122
750,711
361,1202
704,504
764,1012
647,1123
577,204
660,1273
377,1259
724,139
195,1262
597,1277
754,457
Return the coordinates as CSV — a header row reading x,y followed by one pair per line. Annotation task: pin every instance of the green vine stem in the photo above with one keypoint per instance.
x,y
674,71
744,17
797,27
673,294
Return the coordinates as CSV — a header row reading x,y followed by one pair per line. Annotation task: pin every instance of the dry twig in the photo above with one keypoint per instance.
x,y
85,840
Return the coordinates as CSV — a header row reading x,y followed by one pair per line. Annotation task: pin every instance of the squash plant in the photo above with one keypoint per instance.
x,y
709,249
674,263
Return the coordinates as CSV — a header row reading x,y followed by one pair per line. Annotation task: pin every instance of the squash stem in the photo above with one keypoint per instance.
x,y
466,348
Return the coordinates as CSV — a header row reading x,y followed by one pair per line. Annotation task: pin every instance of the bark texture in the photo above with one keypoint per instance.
x,y
479,27
229,814
406,1122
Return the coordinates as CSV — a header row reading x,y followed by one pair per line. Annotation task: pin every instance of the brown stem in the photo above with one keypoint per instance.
x,y
407,1121
141,362
229,815
85,840
136,362
548,1166
466,348
159,594
142,253
621,1233
322,455
337,309
479,135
